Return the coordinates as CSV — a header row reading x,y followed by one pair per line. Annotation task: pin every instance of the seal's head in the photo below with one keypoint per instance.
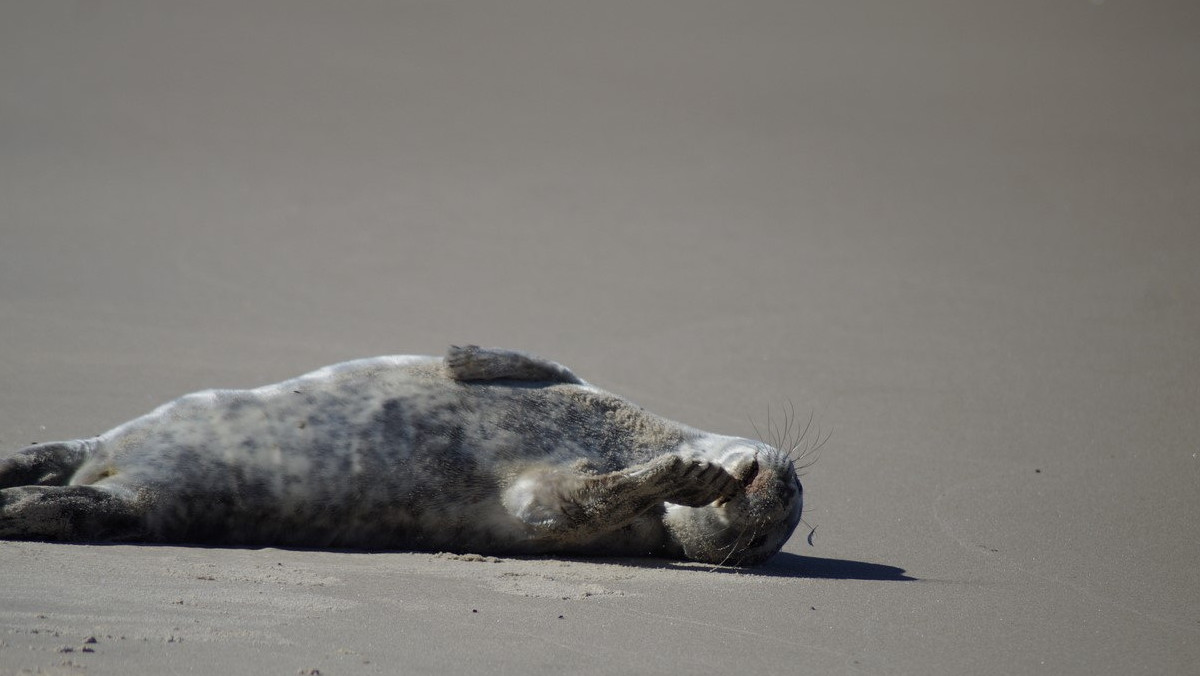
x,y
753,525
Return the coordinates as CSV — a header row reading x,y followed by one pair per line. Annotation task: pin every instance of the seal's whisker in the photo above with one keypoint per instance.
x,y
758,434
803,434
811,450
733,545
770,427
815,450
782,434
792,407
788,417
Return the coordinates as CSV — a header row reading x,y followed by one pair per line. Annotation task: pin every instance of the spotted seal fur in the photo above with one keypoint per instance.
x,y
484,450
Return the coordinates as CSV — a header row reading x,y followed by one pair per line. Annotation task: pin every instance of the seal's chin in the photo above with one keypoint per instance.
x,y
753,525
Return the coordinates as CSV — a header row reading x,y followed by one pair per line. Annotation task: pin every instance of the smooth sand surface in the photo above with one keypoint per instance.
x,y
964,236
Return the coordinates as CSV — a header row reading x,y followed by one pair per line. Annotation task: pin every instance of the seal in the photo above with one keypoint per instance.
x,y
485,450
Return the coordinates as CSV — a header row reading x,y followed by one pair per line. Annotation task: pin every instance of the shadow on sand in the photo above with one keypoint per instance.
x,y
780,565
792,565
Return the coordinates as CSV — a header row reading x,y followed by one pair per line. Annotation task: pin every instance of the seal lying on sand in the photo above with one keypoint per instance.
x,y
486,450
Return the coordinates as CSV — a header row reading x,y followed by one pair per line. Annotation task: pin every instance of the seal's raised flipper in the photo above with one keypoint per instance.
x,y
68,513
49,464
580,506
492,363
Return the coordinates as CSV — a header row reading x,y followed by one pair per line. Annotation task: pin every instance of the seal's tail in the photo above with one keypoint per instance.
x,y
50,464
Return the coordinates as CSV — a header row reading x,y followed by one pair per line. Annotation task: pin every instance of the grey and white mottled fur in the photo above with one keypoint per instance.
x,y
486,450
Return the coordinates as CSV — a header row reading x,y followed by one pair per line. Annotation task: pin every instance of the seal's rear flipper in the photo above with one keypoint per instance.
x,y
49,464
492,363
68,514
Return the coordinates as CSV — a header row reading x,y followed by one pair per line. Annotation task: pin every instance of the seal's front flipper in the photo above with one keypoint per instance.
x,y
690,482
580,506
68,514
492,363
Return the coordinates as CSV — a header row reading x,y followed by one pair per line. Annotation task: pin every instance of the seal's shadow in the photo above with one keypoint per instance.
x,y
784,564
793,565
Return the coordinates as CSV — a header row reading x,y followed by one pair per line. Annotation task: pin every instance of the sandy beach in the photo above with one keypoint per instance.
x,y
964,237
